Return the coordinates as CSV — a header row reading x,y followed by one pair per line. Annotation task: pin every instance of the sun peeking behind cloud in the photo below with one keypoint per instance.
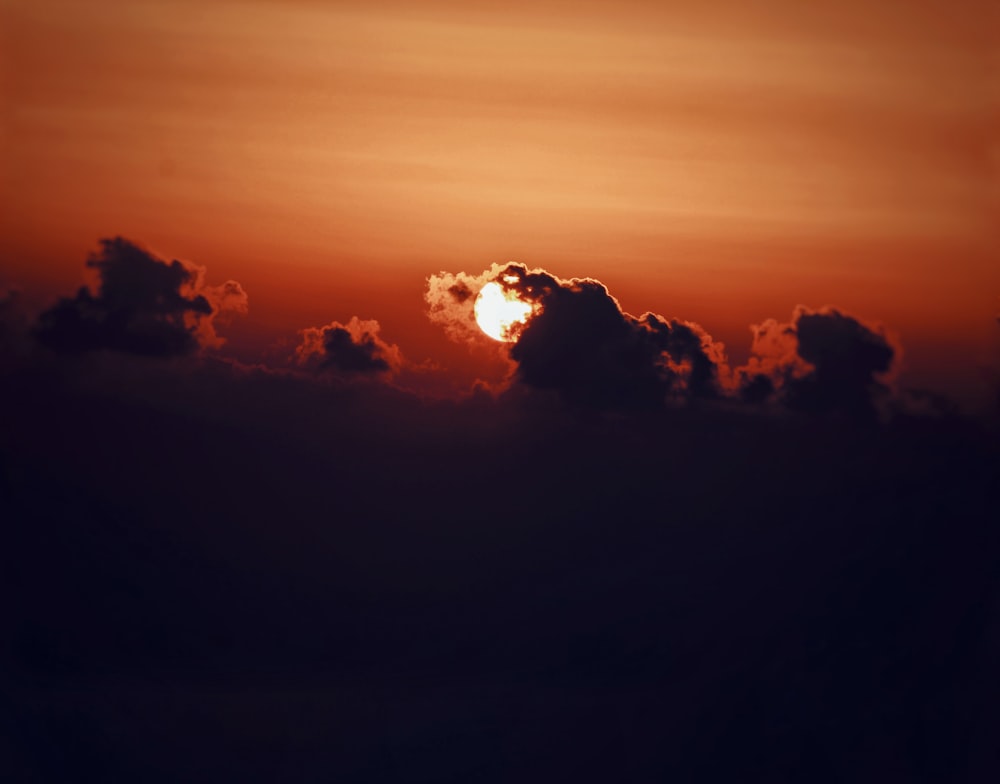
x,y
500,313
451,298
571,337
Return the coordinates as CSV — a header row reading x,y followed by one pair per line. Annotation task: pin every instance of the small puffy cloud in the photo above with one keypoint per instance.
x,y
821,361
143,305
354,348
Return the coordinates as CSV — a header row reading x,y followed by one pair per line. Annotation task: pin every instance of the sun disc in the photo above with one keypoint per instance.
x,y
497,311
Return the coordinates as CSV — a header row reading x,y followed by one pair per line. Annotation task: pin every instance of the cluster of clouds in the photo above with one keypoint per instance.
x,y
579,344
148,306
582,345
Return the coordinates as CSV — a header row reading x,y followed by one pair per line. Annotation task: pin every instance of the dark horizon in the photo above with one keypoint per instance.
x,y
218,571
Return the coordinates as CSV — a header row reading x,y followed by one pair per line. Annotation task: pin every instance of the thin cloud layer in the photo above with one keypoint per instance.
x,y
354,348
821,361
143,305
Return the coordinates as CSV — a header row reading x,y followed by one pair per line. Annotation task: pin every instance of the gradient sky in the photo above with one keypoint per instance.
x,y
717,162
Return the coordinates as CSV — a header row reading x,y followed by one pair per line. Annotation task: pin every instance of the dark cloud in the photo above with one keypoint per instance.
x,y
13,323
821,361
579,344
431,586
460,292
143,305
354,348
582,345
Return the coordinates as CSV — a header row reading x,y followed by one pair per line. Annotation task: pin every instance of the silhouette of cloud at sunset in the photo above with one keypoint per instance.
x,y
578,344
820,361
351,348
583,346
143,305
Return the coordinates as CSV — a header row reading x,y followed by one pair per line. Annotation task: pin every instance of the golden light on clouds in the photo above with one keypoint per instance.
x,y
738,158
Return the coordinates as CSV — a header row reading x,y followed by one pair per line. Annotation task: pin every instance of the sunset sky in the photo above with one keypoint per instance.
x,y
719,162
501,391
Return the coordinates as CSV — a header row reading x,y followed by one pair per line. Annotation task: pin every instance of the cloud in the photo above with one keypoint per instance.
x,y
821,361
143,305
354,348
450,298
581,345
226,300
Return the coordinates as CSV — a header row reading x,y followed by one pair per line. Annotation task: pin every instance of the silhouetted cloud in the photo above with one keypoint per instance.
x,y
354,348
821,361
578,343
582,345
143,305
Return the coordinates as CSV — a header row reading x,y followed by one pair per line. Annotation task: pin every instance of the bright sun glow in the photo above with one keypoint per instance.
x,y
497,311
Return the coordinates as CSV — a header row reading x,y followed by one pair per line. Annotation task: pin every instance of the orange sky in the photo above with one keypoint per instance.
x,y
719,162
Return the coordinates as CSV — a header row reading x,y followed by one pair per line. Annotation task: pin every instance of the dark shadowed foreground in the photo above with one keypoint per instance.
x,y
224,575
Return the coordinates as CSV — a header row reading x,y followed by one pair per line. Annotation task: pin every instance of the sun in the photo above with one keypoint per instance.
x,y
498,311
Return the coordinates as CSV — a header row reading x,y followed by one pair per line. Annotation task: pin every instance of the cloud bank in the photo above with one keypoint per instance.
x,y
579,345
